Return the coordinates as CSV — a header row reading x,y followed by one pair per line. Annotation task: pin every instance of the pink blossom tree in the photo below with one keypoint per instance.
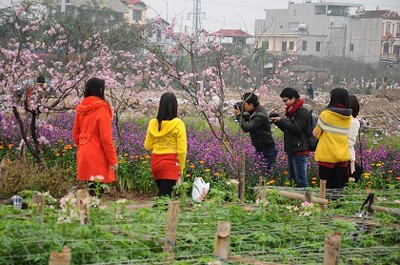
x,y
201,69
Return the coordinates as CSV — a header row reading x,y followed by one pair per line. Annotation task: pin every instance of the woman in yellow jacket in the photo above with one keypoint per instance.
x,y
166,138
332,153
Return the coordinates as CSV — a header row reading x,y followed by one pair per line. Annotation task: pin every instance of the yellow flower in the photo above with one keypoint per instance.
x,y
1,147
147,156
379,165
285,172
390,171
68,147
367,175
370,183
207,170
313,182
191,166
10,146
272,181
126,154
59,141
57,154
216,174
201,162
188,175
314,178
397,178
287,183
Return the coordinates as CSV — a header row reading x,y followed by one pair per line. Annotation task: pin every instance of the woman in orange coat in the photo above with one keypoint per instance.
x,y
96,155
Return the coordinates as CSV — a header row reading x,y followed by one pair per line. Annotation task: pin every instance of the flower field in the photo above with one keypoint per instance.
x,y
275,229
205,156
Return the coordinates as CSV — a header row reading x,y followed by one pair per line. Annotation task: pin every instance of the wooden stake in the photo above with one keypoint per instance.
x,y
308,196
242,175
322,188
172,224
332,249
222,240
39,200
60,258
83,208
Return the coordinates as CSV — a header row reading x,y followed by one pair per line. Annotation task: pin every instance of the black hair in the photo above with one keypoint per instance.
x,y
339,95
250,98
95,87
289,93
168,108
40,79
354,105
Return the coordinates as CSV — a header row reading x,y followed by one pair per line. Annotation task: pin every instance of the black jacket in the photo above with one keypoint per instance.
x,y
257,124
295,131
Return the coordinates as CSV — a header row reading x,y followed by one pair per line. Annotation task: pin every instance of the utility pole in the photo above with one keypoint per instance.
x,y
196,18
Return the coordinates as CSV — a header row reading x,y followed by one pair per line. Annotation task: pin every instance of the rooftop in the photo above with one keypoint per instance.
x,y
233,33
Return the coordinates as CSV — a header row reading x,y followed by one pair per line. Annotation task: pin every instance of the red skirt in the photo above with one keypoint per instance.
x,y
165,166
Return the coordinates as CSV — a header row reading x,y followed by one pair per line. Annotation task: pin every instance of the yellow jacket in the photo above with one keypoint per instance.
x,y
333,129
171,139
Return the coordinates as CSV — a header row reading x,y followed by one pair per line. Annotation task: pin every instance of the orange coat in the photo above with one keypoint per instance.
x,y
92,134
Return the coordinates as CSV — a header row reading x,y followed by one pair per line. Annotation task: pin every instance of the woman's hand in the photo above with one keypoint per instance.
x,y
315,132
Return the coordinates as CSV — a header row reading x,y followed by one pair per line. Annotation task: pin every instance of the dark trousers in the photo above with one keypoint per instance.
x,y
336,178
269,157
165,187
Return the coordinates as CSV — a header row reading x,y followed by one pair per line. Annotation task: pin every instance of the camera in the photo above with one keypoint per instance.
x,y
238,105
272,115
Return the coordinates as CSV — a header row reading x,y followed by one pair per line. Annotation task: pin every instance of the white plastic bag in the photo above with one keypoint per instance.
x,y
200,189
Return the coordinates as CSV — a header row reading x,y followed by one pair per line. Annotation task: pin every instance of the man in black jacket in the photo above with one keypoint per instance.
x,y
256,122
294,127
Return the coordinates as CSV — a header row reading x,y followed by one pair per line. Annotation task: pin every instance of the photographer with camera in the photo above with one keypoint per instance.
x,y
294,127
253,118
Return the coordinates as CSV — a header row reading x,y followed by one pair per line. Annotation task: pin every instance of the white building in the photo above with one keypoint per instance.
x,y
305,28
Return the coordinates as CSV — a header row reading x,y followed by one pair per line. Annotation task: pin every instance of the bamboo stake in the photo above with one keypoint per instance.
x,y
172,224
332,249
61,258
39,200
83,208
222,240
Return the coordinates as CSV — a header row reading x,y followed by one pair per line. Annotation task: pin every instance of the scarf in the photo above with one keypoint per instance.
x,y
291,110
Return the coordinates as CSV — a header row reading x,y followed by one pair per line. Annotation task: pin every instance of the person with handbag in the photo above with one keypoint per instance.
x,y
294,126
96,157
166,138
332,131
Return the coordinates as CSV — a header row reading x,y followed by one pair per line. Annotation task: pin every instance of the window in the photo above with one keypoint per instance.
x,y
388,27
320,10
386,47
304,46
398,30
351,47
265,44
284,46
137,15
318,46
294,12
291,46
396,50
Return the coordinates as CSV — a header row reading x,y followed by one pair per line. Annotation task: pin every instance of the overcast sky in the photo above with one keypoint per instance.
x,y
234,14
